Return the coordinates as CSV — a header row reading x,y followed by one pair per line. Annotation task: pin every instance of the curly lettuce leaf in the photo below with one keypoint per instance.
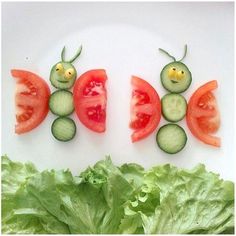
x,y
92,204
133,173
105,199
22,213
193,201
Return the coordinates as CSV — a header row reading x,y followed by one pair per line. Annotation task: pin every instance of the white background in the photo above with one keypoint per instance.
x,y
122,38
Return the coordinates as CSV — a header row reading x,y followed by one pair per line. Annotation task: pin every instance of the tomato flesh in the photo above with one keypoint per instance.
x,y
209,125
145,109
31,100
203,118
90,98
96,113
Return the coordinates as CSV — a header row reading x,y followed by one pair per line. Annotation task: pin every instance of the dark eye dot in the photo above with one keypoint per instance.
x,y
69,73
173,68
57,69
182,72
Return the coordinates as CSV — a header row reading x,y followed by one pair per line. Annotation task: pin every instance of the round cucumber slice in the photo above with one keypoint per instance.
x,y
171,138
176,77
63,75
63,129
61,103
174,107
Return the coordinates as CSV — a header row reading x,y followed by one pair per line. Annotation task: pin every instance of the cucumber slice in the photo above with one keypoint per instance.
x,y
178,80
63,129
174,107
61,103
171,138
58,78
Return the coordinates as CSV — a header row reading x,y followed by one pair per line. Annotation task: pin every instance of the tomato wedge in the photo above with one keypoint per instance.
x,y
203,118
31,99
90,98
145,109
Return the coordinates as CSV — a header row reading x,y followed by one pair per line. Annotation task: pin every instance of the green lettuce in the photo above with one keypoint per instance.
x,y
22,213
90,204
181,202
105,199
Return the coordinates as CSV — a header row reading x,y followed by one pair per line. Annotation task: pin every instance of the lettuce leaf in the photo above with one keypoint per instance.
x,y
190,202
105,199
22,213
92,204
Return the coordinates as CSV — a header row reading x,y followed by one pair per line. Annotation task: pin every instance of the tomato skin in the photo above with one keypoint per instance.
x,y
203,115
145,105
90,97
31,100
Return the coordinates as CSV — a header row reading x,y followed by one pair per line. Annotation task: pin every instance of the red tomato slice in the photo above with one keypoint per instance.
x,y
203,116
31,99
90,98
145,109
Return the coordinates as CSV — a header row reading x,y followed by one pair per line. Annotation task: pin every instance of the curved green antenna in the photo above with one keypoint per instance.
x,y
63,54
73,58
165,52
185,52
76,55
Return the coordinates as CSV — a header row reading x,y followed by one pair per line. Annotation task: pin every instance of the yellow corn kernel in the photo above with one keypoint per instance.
x,y
172,72
59,68
180,75
69,73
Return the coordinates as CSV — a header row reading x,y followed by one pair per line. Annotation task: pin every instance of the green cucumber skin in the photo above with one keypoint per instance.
x,y
163,113
174,121
64,118
56,78
162,77
167,151
51,106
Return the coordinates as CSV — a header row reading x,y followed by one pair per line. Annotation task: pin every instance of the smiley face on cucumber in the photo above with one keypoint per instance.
x,y
175,76
63,74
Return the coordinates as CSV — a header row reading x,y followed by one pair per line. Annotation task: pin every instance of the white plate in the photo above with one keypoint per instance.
x,y
122,38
